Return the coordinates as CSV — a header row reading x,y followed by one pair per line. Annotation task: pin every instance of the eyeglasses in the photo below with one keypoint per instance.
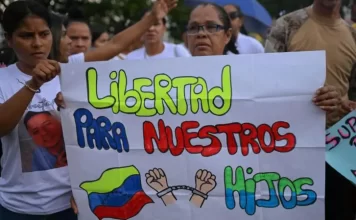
x,y
210,28
235,14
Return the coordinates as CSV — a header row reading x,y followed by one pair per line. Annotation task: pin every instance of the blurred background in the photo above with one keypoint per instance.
x,y
114,14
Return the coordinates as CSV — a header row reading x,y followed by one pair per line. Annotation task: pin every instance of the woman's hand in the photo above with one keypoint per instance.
x,y
347,106
59,101
327,98
74,205
44,72
161,8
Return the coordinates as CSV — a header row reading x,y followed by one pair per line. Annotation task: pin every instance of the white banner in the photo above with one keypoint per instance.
x,y
224,137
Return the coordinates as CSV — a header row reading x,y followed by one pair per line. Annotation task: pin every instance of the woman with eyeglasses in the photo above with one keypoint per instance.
x,y
245,44
209,31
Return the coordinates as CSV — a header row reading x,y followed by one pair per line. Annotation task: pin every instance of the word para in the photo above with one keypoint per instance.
x,y
249,135
246,188
105,134
345,132
162,85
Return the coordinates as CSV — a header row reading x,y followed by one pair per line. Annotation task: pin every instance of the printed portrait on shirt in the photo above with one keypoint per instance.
x,y
43,149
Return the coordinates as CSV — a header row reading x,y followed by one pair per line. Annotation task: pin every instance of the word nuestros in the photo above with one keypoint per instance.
x,y
145,103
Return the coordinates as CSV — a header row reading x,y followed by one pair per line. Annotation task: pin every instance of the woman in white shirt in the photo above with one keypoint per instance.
x,y
155,47
34,184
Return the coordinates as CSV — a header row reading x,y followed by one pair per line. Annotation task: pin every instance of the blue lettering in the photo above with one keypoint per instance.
x,y
100,133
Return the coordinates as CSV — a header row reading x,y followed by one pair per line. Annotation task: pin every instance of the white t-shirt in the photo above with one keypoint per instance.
x,y
248,45
80,58
34,178
170,51
76,58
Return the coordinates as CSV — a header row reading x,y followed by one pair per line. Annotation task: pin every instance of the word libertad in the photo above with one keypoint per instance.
x,y
120,96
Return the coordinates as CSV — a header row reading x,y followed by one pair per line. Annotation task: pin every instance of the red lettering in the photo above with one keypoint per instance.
x,y
262,130
248,137
215,146
189,136
248,133
230,130
352,123
149,133
178,149
289,137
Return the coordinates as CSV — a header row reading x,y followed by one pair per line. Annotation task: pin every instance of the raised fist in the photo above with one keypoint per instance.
x,y
157,179
161,8
204,181
44,71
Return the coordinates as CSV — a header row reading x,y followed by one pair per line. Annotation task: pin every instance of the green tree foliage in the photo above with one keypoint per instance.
x,y
114,12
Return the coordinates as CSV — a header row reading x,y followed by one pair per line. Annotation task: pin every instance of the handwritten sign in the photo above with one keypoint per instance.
x,y
341,146
224,137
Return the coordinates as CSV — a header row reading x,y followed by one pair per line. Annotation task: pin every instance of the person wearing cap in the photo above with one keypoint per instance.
x,y
155,47
245,44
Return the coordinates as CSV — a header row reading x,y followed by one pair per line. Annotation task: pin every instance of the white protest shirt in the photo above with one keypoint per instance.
x,y
80,58
170,51
34,178
76,58
248,45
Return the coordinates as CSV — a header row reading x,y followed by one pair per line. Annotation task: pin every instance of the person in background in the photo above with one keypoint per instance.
x,y
245,44
78,30
320,27
99,35
121,26
155,47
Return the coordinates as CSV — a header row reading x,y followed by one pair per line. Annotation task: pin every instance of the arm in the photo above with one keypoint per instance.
x,y
121,40
352,84
12,110
277,38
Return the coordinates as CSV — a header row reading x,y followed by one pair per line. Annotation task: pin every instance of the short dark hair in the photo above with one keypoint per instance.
x,y
31,114
76,14
17,11
96,31
56,29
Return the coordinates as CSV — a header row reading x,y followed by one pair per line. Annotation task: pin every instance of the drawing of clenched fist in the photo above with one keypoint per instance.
x,y
204,183
157,180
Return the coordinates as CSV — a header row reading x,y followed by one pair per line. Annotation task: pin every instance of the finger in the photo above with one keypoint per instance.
x,y
39,75
56,65
147,175
323,90
153,174
208,175
161,172
212,182
198,175
329,103
74,206
157,173
213,177
328,108
59,96
149,180
172,4
325,96
203,175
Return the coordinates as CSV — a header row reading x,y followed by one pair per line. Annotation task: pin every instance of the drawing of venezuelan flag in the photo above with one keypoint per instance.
x,y
117,194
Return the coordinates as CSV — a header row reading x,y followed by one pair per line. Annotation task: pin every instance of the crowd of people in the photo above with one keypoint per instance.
x,y
34,184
